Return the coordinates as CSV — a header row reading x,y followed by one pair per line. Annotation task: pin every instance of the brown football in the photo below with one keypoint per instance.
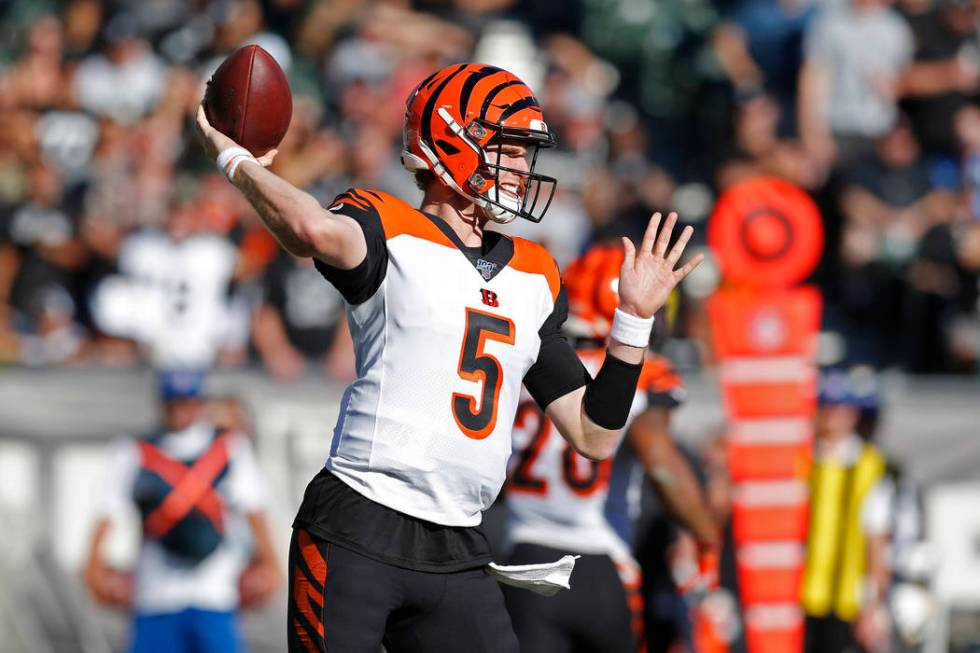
x,y
248,100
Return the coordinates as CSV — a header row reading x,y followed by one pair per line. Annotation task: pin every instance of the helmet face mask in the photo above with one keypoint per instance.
x,y
458,122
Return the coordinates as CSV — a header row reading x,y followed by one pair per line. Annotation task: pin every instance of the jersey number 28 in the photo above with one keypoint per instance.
x,y
581,482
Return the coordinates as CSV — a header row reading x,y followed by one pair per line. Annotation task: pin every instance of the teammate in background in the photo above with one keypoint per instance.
x,y
556,497
206,549
448,320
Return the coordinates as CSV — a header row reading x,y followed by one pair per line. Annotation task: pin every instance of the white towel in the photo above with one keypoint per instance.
x,y
546,578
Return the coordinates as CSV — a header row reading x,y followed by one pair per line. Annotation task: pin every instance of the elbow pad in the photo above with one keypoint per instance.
x,y
609,396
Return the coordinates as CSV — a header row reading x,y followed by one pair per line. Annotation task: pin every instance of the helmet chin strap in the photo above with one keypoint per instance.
x,y
505,213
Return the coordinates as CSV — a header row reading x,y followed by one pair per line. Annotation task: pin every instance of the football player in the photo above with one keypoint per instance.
x,y
448,320
556,498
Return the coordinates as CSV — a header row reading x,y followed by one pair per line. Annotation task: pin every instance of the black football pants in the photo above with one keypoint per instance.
x,y
343,602
597,615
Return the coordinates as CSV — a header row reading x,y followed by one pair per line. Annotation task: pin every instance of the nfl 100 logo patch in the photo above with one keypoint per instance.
x,y
486,268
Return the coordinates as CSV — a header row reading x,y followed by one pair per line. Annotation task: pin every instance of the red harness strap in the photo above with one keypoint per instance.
x,y
191,486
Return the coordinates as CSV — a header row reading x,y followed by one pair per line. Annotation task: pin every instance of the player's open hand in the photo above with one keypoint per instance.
x,y
214,141
648,273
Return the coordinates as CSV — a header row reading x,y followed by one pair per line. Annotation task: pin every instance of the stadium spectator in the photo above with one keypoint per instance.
x,y
206,548
301,321
45,257
848,90
944,76
759,46
890,204
171,295
38,80
757,147
127,62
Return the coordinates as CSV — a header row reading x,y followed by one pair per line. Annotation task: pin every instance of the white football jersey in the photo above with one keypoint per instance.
x,y
555,496
170,296
443,336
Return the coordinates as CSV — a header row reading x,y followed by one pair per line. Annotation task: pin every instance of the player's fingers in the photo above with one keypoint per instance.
x,y
690,265
630,253
660,248
678,249
266,159
651,233
202,119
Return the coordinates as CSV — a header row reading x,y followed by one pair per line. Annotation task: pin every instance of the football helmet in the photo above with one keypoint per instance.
x,y
592,284
451,119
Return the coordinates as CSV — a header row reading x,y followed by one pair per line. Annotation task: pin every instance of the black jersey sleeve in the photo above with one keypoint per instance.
x,y
558,369
358,284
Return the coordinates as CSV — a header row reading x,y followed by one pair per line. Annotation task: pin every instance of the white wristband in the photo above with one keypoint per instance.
x,y
236,161
631,330
230,158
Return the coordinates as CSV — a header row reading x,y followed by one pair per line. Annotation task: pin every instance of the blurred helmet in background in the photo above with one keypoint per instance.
x,y
592,284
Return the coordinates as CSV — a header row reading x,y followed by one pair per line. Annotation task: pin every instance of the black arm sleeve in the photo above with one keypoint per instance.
x,y
358,284
558,369
609,397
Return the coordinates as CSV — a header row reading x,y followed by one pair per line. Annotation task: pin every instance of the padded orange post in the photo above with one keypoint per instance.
x,y
768,237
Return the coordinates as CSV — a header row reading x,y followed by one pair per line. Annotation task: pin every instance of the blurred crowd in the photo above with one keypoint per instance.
x,y
119,243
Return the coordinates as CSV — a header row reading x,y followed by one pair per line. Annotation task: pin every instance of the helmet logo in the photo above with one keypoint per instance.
x,y
476,130
477,181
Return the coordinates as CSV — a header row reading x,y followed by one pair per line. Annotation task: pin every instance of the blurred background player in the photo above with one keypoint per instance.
x,y
200,497
557,498
171,293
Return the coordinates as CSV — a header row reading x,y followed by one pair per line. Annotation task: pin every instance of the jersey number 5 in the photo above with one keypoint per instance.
x,y
476,416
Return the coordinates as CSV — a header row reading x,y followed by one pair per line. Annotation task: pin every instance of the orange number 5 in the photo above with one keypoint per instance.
x,y
476,416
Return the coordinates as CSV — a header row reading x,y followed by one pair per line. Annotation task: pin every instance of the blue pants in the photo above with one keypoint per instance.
x,y
188,631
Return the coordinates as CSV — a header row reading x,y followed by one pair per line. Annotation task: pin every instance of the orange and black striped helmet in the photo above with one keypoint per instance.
x,y
592,284
455,114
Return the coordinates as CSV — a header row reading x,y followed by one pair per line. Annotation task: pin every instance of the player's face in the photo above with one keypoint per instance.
x,y
514,157
836,421
178,414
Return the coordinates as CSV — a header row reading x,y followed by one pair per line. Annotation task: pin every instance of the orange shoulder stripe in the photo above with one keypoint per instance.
x,y
658,375
535,259
398,217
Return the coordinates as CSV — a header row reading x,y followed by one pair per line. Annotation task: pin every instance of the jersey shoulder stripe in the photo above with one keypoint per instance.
x,y
658,377
532,258
397,216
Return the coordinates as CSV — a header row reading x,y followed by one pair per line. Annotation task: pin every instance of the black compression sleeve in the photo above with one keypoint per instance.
x,y
609,397
558,369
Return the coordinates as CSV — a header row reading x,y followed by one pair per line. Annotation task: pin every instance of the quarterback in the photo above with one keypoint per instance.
x,y
448,319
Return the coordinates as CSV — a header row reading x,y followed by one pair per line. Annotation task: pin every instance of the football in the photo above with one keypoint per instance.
x,y
248,100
